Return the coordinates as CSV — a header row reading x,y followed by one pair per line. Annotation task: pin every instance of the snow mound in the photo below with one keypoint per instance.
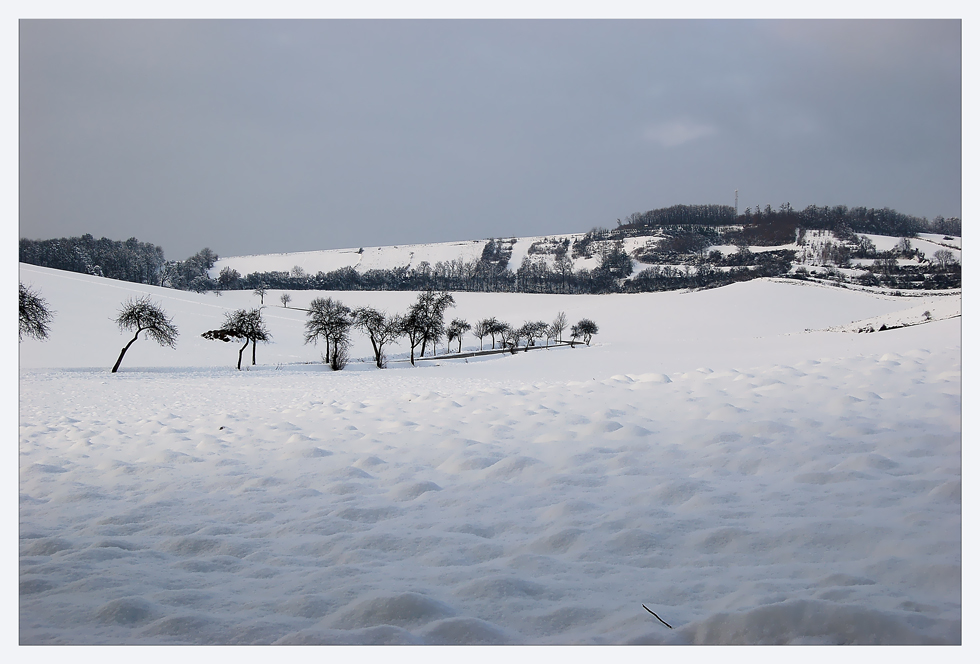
x,y
403,610
817,622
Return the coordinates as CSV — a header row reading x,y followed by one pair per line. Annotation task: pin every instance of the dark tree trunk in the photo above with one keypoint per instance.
x,y
253,352
460,349
115,367
377,351
240,351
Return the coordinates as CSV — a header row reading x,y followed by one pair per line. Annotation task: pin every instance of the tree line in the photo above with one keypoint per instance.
x,y
329,320
132,260
423,326
765,223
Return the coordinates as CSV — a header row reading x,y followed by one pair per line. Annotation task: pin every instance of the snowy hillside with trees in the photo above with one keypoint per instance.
x,y
773,461
681,247
685,246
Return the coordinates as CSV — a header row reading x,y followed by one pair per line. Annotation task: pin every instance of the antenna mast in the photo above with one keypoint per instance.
x,y
736,205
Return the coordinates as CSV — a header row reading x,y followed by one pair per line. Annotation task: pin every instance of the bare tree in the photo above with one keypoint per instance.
x,y
142,314
428,314
260,291
285,298
482,329
531,331
413,327
558,326
241,325
331,320
380,328
35,316
585,328
509,337
259,331
903,248
340,355
944,258
455,330
497,328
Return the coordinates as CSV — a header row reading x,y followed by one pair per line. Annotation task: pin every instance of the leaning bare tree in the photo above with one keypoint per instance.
x,y
241,325
142,314
35,316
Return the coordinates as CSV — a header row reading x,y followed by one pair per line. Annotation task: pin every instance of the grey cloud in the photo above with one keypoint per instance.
x,y
255,136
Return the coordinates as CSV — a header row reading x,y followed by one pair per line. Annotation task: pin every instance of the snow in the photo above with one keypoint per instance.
x,y
361,259
519,251
927,243
729,458
948,241
729,249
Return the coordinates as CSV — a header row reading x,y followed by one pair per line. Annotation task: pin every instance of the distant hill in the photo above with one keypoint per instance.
x,y
684,246
650,252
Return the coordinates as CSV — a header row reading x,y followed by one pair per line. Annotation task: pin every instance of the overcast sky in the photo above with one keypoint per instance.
x,y
273,136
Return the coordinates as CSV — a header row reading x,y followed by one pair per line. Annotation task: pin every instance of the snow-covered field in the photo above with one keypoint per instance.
x,y
723,457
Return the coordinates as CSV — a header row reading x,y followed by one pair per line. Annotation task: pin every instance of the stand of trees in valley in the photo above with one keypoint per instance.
x,y
423,326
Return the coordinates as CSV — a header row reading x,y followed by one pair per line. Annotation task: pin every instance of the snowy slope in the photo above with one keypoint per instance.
x,y
362,259
368,258
723,457
810,252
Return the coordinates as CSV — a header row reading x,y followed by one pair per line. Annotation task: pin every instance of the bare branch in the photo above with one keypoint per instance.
x,y
656,616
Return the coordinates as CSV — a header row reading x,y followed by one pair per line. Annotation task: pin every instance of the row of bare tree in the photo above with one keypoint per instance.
x,y
423,325
330,320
